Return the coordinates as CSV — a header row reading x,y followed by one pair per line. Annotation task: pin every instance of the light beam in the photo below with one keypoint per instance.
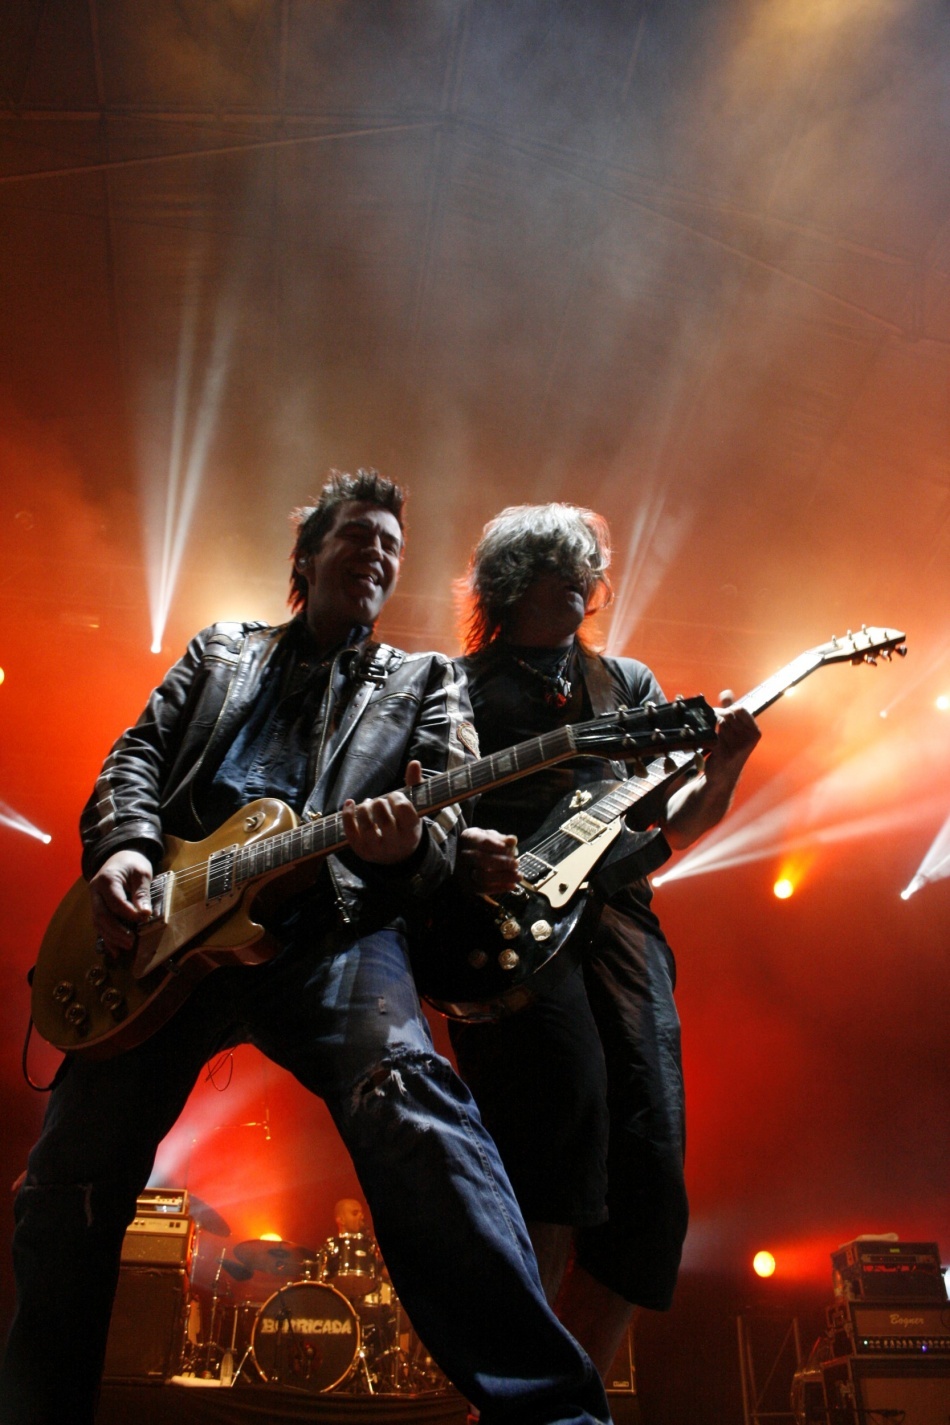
x,y
935,865
170,499
16,822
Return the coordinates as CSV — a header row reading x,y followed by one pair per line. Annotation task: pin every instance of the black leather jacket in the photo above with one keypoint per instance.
x,y
153,780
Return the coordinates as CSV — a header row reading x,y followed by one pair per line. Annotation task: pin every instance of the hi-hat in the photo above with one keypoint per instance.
x,y
278,1259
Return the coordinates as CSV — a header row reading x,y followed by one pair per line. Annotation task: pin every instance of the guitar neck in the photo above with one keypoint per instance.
x,y
772,689
650,788
312,839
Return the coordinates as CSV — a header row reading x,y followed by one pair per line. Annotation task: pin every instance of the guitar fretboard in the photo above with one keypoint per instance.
x,y
319,838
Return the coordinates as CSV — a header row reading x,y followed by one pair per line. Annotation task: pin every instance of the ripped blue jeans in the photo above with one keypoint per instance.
x,y
347,1023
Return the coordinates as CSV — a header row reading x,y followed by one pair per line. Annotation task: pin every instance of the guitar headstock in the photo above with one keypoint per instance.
x,y
865,646
682,725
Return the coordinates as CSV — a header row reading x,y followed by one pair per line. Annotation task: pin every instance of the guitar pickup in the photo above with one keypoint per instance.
x,y
532,869
221,873
583,827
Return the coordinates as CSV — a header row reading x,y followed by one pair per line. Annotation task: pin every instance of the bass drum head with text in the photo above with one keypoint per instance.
x,y
306,1336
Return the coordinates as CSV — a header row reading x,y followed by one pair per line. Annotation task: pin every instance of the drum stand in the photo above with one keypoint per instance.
x,y
362,1374
205,1352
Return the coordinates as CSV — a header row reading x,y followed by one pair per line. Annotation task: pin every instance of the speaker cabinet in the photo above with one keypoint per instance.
x,y
864,1392
146,1336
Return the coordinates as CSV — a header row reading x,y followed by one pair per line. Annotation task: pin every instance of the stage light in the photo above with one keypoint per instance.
x,y
2,675
943,702
763,1264
783,889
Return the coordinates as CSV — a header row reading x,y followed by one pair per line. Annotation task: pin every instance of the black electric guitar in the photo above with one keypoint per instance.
x,y
482,958
204,899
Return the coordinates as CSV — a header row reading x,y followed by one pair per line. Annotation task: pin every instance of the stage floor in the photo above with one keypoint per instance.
x,y
176,1404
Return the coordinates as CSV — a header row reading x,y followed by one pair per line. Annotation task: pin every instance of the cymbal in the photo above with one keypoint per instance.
x,y
278,1259
207,1218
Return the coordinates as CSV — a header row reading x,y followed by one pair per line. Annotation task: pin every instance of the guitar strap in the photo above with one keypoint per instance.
x,y
599,684
376,663
601,690
636,853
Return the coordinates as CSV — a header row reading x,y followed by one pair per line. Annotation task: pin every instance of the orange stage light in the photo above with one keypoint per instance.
x,y
763,1264
783,888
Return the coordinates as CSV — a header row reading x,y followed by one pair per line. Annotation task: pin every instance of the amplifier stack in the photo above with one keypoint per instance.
x,y
886,1354
149,1319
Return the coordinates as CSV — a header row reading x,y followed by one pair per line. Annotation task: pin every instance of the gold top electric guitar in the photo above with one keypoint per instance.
x,y
204,898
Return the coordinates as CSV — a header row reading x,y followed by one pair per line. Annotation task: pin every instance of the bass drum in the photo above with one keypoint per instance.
x,y
306,1336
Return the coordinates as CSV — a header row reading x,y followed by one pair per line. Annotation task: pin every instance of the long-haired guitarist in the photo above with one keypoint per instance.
x,y
314,714
583,1090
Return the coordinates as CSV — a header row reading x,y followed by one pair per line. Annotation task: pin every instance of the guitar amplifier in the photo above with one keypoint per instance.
x,y
883,1269
157,1241
905,1328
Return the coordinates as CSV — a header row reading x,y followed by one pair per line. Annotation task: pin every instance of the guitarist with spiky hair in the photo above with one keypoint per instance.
x,y
582,1090
318,716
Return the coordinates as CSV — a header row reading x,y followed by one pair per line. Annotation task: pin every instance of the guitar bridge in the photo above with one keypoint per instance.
x,y
158,894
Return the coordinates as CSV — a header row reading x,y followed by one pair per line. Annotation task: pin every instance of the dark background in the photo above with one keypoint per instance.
x,y
685,262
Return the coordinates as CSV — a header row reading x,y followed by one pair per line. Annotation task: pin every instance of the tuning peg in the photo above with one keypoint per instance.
x,y
886,654
869,658
901,651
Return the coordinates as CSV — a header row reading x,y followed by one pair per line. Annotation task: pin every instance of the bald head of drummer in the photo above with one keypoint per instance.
x,y
349,1215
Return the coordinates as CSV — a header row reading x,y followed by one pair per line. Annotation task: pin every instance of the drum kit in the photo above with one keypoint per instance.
x,y
333,1323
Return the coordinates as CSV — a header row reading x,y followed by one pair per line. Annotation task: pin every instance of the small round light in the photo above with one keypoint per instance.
x,y
782,889
763,1264
943,702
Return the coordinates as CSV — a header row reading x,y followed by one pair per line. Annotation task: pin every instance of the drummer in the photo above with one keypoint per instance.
x,y
349,1215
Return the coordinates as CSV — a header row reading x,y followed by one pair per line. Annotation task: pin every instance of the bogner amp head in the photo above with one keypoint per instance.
x,y
907,1328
